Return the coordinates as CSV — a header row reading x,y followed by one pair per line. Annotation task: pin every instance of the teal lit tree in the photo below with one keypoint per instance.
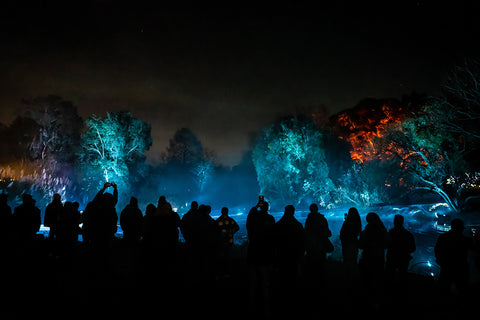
x,y
290,162
427,155
113,149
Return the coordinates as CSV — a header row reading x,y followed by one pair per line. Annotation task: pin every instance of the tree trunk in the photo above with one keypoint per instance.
x,y
442,194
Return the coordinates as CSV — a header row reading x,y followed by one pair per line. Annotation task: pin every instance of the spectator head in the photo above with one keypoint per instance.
x,y
374,220
263,207
194,205
27,198
398,221
133,201
108,200
225,210
208,209
353,212
289,210
162,200
313,207
150,209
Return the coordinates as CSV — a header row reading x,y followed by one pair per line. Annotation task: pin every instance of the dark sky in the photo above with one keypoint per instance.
x,y
225,71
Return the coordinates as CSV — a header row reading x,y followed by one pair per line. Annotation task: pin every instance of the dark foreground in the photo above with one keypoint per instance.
x,y
43,286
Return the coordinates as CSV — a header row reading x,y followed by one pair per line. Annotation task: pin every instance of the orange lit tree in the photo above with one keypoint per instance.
x,y
427,155
369,179
404,147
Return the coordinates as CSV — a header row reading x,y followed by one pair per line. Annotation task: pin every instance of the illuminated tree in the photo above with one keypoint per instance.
x,y
45,135
111,147
18,140
404,146
202,173
426,155
460,105
38,149
188,166
60,127
184,149
363,125
369,179
363,185
290,163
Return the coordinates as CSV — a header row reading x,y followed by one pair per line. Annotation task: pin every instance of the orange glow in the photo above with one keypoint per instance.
x,y
361,130
362,126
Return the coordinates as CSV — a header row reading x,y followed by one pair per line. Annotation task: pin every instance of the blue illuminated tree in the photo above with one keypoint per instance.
x,y
188,167
289,159
111,148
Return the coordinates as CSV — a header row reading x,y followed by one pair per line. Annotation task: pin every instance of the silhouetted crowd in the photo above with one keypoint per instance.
x,y
278,254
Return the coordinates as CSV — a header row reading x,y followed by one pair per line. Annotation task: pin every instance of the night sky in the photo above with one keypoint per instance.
x,y
225,71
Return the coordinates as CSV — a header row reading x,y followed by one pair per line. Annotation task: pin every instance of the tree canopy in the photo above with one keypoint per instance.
x,y
290,162
110,146
372,153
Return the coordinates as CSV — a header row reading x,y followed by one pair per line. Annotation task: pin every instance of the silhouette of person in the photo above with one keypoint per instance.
x,y
349,233
6,225
131,221
193,250
66,230
100,217
169,222
27,220
26,265
100,225
260,256
52,213
161,235
373,242
150,209
5,222
317,243
206,241
187,223
146,237
290,245
227,227
451,252
401,245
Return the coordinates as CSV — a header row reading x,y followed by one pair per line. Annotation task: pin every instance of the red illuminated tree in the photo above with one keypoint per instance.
x,y
363,125
407,146
369,179
426,155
